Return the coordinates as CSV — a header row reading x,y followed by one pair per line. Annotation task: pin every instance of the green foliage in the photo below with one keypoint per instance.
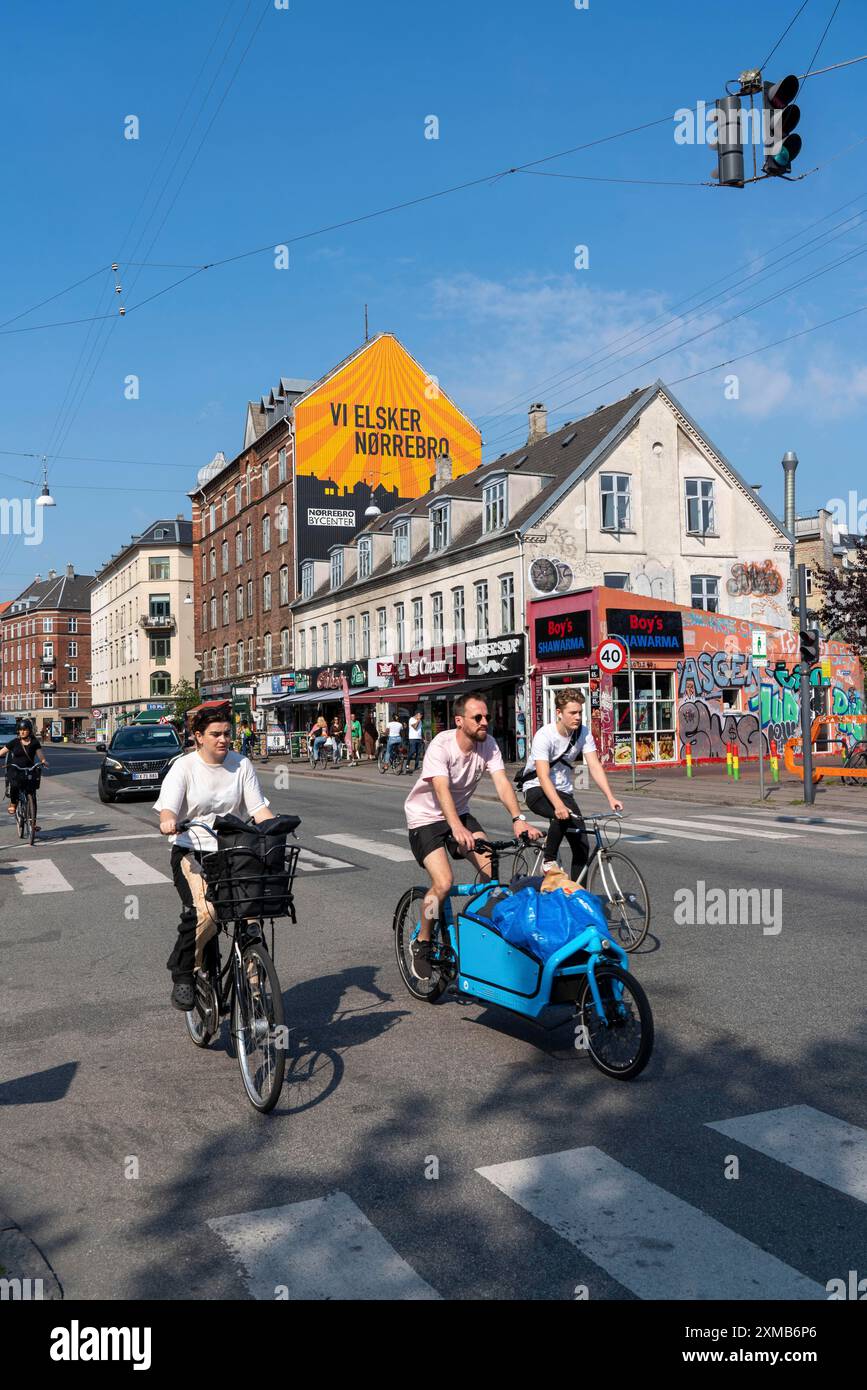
x,y
843,613
185,696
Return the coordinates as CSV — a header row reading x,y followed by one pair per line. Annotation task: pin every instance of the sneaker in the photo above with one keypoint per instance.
x,y
183,995
550,866
420,959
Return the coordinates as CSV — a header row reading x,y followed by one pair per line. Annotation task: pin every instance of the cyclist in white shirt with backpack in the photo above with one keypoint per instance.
x,y
547,780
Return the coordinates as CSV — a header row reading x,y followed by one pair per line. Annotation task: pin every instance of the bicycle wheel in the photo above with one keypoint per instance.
x,y
21,815
397,765
203,1019
625,899
619,1044
257,1012
31,816
406,917
857,759
383,763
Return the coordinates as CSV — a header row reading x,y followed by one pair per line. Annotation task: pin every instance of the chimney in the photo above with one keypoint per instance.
x,y
38,579
790,463
538,417
52,574
443,474
70,571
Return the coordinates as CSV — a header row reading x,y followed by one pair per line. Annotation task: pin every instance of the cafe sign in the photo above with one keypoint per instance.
x,y
647,630
432,663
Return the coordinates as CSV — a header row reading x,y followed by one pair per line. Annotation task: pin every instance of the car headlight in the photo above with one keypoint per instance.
x,y
113,762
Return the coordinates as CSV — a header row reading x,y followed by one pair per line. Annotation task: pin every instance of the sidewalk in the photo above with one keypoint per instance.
x,y
23,1265
709,785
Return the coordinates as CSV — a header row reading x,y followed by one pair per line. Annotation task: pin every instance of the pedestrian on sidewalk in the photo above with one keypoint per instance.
x,y
369,734
416,741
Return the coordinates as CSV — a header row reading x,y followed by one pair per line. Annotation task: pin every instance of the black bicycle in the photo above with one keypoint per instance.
x,y
246,988
27,780
856,758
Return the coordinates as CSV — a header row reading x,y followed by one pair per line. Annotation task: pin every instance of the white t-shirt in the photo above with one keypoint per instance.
x,y
464,771
196,790
415,728
395,728
548,745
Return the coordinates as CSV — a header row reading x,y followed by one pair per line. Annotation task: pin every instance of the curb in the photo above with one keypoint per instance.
x,y
22,1260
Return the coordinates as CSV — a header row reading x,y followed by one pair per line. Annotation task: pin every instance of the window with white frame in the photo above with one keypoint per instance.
x,y
224,508
266,474
481,590
281,466
266,532
400,545
325,657
204,567
400,626
437,633
266,592
336,568
284,647
73,649
307,580
73,699
239,548
249,598
439,526
239,602
72,625
507,603
417,623
350,639
494,499
699,506
282,524
205,616
615,491
459,622
267,645
250,666
365,634
240,657
314,649
73,674
705,592
381,633
365,555
284,584
249,535
214,610
302,648
224,556
213,560
225,608
338,639
213,514
238,498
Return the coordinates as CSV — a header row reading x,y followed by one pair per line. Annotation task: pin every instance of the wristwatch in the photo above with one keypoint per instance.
x,y
518,817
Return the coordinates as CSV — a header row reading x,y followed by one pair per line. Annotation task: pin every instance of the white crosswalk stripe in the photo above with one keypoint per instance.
x,y
130,869
324,1249
364,846
311,862
652,825
802,826
650,1241
818,1145
39,876
729,825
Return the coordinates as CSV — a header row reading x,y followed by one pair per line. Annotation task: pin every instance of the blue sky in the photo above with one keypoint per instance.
x,y
325,121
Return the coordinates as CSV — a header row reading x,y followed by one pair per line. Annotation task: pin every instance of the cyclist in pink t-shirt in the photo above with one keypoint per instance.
x,y
437,810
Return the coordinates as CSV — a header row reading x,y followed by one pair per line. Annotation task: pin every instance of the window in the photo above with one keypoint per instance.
x,y
238,498
161,650
507,603
213,611
225,607
250,654
302,649
249,598
284,647
239,548
417,623
226,660
400,545
73,675
224,556
47,700
338,639
616,581
494,496
213,563
267,649
239,602
365,634
699,506
266,474
481,609
325,656
654,717
266,532
240,653
307,580
281,466
73,649
249,534
266,592
439,526
336,568
213,515
437,609
47,625
224,512
314,659
282,524
705,592
808,577
73,699
158,606
400,626
381,633
72,625
350,638
204,567
284,584
615,501
365,554
214,671
205,616
458,616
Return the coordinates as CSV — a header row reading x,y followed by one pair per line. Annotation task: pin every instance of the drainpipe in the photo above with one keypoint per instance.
x,y
526,630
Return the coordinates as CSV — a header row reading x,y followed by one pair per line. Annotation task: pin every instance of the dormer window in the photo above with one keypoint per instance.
x,y
336,568
494,497
307,579
365,557
439,526
400,544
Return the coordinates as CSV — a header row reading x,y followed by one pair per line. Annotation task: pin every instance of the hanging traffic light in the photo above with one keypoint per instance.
x,y
809,645
780,118
730,150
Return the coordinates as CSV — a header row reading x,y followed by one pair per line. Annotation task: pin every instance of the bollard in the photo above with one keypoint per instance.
x,y
688,761
736,764
775,762
728,760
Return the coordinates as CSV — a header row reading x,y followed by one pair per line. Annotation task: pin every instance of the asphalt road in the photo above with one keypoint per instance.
x,y
137,1165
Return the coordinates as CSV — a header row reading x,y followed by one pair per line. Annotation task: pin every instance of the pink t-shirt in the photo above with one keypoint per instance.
x,y
464,770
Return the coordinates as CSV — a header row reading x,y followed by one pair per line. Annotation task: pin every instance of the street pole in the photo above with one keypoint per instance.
x,y
631,707
806,713
761,744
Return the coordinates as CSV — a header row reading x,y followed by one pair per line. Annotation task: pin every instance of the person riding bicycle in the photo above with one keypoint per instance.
x,y
437,811
317,737
547,783
394,740
25,749
211,781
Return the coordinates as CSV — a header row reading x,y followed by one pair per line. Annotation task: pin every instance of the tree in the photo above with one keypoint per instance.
x,y
843,613
184,697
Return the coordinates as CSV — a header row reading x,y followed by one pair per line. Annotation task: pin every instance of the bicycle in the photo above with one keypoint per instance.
x,y
856,757
395,763
614,878
318,758
246,989
590,972
28,779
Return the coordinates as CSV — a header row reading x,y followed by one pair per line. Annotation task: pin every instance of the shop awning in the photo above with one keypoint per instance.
x,y
399,694
481,683
310,697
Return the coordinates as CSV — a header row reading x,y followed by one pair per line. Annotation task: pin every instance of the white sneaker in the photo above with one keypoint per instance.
x,y
550,866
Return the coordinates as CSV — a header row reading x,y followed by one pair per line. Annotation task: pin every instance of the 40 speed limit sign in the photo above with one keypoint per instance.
x,y
611,655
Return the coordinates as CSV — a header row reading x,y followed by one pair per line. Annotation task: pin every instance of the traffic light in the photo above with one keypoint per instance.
x,y
780,118
730,150
809,645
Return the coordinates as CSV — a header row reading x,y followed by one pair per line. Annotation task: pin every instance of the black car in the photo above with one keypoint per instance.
x,y
137,759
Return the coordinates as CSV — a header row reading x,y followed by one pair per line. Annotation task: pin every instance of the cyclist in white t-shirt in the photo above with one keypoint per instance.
x,y
548,778
211,781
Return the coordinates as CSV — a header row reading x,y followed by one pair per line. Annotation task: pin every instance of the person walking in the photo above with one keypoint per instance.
x,y
355,734
369,735
415,741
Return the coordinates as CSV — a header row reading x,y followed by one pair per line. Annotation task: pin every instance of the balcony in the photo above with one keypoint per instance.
x,y
45,686
157,622
48,661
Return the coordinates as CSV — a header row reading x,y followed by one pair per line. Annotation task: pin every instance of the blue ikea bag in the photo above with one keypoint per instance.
x,y
543,922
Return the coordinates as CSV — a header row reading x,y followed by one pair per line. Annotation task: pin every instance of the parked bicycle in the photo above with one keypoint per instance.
x,y
856,757
590,972
246,988
612,876
27,780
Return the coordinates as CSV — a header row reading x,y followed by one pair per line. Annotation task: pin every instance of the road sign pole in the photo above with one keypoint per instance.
x,y
806,712
761,746
631,707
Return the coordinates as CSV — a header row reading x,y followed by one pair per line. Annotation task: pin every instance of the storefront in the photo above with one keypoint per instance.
x,y
287,705
694,680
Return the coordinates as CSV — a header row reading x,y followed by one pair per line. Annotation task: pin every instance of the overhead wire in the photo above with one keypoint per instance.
x,y
783,35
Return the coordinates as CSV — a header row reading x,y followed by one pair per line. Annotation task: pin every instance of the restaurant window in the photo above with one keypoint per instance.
x,y
507,603
615,501
704,592
365,634
654,717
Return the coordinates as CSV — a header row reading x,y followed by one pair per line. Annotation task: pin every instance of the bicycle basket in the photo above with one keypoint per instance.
x,y
251,873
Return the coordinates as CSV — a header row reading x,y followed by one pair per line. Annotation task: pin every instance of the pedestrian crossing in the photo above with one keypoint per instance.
x,y
649,1240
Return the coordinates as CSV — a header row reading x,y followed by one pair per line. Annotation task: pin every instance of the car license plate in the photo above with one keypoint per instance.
x,y
141,776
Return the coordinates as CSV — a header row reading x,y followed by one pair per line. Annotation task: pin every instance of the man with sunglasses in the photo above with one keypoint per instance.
x,y
437,810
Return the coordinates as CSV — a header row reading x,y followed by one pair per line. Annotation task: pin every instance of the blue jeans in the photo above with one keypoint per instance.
x,y
391,749
318,745
416,748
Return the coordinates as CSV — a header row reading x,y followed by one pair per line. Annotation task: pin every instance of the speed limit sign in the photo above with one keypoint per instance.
x,y
611,655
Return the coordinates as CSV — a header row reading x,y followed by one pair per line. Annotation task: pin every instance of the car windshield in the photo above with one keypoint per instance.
x,y
144,741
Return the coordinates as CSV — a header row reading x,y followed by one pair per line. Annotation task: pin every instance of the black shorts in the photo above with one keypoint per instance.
x,y
430,837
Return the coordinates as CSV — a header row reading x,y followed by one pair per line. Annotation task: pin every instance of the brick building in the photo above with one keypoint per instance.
x,y
45,640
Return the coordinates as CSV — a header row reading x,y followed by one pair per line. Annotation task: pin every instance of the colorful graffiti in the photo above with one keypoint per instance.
x,y
752,578
707,731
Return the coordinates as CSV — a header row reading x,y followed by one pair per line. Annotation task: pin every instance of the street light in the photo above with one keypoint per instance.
x,y
45,499
188,598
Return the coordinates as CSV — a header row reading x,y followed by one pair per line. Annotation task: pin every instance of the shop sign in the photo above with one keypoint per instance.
x,y
331,677
432,663
292,682
562,635
504,656
647,629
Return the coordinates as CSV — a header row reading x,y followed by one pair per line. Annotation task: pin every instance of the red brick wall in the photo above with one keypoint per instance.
x,y
15,696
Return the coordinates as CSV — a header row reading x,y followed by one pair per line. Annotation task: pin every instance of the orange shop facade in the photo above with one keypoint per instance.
x,y
695,683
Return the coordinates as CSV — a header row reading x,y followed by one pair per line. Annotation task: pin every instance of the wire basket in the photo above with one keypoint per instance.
x,y
238,888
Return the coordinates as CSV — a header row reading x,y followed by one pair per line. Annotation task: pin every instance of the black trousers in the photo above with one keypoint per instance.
x,y
575,834
182,960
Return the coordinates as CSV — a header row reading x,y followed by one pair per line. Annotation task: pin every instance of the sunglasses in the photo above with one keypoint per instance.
x,y
477,718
